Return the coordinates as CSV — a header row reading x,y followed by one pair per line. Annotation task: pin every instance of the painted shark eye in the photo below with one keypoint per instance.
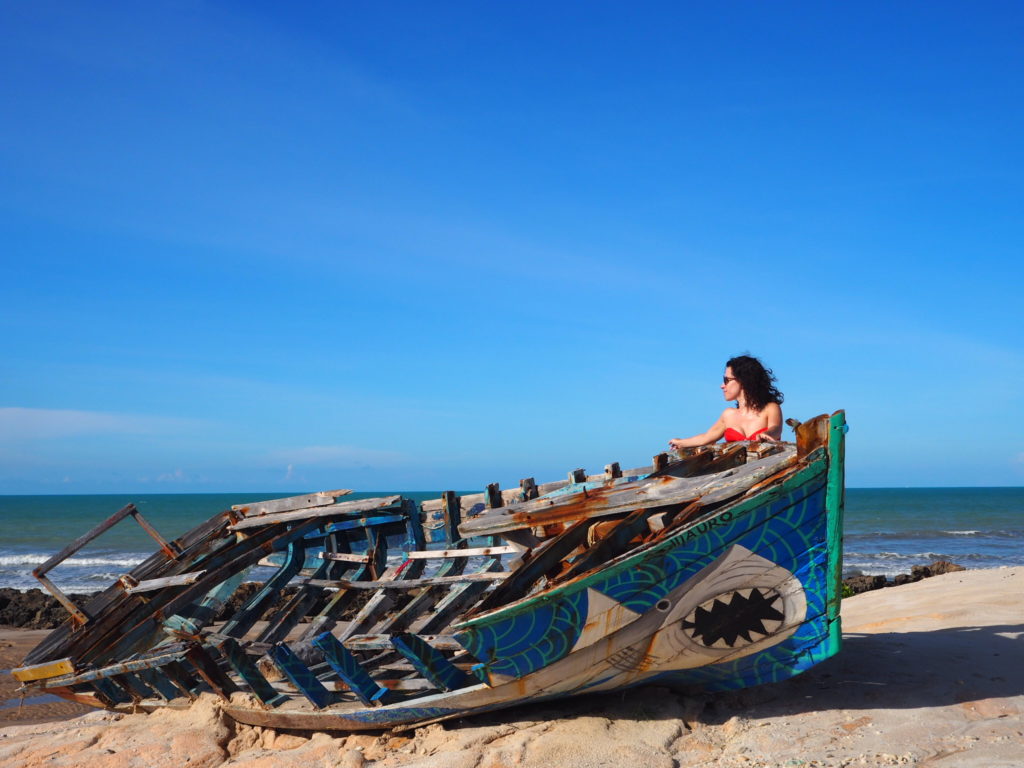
x,y
662,605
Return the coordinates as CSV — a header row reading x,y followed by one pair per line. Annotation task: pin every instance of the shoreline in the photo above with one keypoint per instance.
x,y
35,609
930,674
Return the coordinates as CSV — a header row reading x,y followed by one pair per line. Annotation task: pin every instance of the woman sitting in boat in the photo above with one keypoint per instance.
x,y
758,411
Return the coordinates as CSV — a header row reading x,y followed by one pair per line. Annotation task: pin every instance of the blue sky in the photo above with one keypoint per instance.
x,y
426,246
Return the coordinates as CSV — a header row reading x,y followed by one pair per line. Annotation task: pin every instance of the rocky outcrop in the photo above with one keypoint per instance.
x,y
862,583
33,609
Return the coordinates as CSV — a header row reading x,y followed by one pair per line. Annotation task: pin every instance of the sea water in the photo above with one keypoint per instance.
x,y
886,530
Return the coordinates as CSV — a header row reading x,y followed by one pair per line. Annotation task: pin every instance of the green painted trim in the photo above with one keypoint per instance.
x,y
835,500
817,464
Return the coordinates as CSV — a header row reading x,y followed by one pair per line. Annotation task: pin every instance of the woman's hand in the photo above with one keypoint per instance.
x,y
675,444
764,437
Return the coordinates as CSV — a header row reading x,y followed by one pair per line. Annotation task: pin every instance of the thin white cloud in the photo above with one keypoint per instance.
x,y
21,424
177,476
333,456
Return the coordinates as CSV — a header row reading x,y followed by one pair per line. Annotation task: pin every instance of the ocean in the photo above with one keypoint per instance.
x,y
887,530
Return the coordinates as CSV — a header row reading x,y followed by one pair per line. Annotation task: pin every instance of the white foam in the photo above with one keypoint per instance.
x,y
37,559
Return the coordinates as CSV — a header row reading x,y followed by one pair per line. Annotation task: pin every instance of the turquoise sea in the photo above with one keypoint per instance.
x,y
887,530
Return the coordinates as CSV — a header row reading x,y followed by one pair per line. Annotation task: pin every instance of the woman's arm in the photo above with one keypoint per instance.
x,y
774,428
713,434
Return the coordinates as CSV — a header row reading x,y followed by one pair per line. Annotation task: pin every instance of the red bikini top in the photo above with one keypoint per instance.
x,y
734,435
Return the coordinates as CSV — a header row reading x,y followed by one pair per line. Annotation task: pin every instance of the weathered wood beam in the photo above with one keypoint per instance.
x,y
382,642
435,554
401,584
430,662
302,678
247,670
348,668
541,564
330,510
168,581
346,557
270,506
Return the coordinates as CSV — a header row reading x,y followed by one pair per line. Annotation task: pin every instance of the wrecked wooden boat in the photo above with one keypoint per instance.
x,y
717,569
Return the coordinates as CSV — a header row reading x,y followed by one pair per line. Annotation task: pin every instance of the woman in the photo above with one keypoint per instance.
x,y
758,412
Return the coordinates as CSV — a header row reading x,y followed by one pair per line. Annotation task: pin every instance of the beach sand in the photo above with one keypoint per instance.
x,y
931,674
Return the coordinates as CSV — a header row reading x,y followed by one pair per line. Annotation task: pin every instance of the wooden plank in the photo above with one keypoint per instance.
x,y
378,605
158,683
346,557
835,502
435,554
168,581
509,496
77,614
452,515
270,506
330,510
527,489
455,602
167,547
674,485
348,668
182,679
152,661
430,596
285,619
207,669
114,605
250,613
611,546
81,541
221,564
545,488
110,690
612,471
430,662
364,523
812,434
578,476
134,687
744,478
431,581
543,562
376,551
56,668
300,675
382,642
492,496
247,670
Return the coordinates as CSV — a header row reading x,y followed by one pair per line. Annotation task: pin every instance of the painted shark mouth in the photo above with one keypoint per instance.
x,y
738,605
744,616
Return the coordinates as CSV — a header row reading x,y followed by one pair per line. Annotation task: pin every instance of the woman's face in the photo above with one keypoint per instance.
x,y
730,386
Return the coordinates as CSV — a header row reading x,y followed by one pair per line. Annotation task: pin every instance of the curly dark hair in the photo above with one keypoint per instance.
x,y
757,381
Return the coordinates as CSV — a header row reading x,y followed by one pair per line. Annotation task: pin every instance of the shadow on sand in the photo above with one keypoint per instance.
x,y
893,670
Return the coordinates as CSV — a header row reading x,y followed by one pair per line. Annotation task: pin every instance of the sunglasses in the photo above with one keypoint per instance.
x,y
727,379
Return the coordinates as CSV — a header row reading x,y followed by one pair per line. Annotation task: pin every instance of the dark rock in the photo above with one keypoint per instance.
x,y
34,609
864,583
937,568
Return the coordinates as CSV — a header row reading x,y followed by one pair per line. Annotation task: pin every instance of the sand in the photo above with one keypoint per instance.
x,y
931,674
